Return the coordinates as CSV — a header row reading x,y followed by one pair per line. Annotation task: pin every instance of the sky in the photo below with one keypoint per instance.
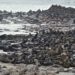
x,y
26,5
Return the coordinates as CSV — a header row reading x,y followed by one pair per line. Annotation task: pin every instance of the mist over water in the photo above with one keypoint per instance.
x,y
26,5
22,7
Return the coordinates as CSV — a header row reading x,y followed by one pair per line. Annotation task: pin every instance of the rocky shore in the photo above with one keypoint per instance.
x,y
38,42
47,47
24,69
47,52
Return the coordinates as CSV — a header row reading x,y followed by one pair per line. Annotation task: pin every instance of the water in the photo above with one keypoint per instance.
x,y
2,52
13,29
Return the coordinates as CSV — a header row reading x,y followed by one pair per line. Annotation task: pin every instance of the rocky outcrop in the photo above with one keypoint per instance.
x,y
46,47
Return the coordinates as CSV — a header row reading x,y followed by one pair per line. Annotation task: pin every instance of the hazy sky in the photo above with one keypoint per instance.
x,y
25,5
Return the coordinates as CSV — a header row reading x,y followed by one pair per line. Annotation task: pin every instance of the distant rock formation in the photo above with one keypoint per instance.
x,y
55,12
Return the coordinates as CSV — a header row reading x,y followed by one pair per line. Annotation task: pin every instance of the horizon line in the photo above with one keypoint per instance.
x,y
18,8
